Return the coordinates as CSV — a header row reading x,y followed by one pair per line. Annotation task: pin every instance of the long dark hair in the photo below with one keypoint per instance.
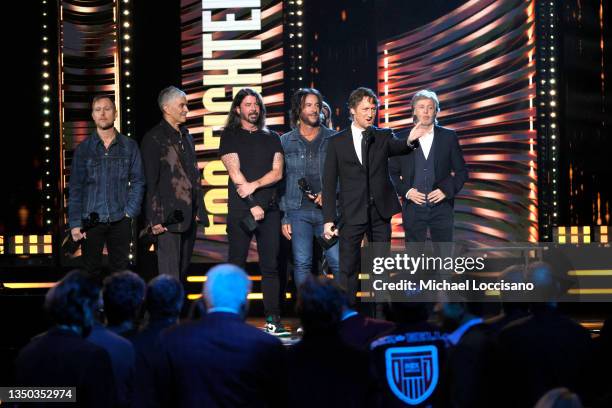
x,y
297,104
233,118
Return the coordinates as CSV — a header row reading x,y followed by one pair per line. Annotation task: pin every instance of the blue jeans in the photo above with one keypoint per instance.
x,y
306,224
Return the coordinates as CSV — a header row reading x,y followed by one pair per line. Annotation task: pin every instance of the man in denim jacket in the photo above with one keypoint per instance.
x,y
107,178
305,147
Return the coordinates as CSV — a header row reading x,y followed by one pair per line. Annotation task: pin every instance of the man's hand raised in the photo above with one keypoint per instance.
x,y
417,132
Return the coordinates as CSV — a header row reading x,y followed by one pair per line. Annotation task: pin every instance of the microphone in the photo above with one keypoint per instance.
x,y
176,217
368,134
328,243
306,189
69,245
146,234
248,224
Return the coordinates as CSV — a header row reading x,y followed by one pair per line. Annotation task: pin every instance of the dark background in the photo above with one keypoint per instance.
x,y
20,154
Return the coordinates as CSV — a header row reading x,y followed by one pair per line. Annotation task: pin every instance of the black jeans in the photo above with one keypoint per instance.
x,y
350,237
267,235
174,250
117,237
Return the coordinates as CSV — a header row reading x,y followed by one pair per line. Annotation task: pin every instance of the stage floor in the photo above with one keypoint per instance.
x,y
291,324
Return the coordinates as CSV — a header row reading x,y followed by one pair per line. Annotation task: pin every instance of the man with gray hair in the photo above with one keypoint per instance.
x,y
428,180
173,185
220,361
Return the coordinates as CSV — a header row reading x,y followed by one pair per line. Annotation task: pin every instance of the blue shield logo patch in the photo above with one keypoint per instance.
x,y
412,372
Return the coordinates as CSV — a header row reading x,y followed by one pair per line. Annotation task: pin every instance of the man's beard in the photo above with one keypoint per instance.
x,y
307,121
107,126
252,119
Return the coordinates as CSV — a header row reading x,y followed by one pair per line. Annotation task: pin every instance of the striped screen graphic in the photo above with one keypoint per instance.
x,y
480,60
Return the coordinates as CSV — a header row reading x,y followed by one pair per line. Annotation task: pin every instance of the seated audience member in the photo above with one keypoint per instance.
x,y
545,350
62,357
603,359
123,294
121,353
220,361
359,331
323,370
408,362
512,308
163,303
559,398
197,310
468,364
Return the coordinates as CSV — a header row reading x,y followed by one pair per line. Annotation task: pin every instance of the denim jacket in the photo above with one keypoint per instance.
x,y
295,167
110,182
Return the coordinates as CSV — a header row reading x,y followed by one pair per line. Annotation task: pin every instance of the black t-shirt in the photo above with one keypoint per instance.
x,y
256,152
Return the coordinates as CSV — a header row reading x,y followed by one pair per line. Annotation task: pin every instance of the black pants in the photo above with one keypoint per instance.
x,y
350,250
267,235
440,221
117,237
174,250
417,218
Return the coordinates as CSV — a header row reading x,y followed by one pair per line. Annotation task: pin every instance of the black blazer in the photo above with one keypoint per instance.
x,y
220,361
173,180
342,164
359,331
449,158
121,353
542,352
61,358
146,347
324,372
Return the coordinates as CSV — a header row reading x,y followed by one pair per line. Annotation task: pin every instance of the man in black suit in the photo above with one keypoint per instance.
x,y
163,303
123,295
545,350
469,364
62,357
321,362
220,361
357,330
367,199
121,353
429,179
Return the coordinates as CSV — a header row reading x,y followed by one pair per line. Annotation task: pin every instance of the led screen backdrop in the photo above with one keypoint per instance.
x,y
480,60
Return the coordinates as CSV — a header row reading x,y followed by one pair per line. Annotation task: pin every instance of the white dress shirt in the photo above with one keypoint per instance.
x,y
357,137
426,141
